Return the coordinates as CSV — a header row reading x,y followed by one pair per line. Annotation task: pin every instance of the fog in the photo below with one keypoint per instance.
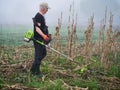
x,y
22,11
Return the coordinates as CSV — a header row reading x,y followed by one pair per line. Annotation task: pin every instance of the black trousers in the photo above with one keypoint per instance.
x,y
40,53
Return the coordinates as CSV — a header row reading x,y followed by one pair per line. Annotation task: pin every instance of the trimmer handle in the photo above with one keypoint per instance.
x,y
50,38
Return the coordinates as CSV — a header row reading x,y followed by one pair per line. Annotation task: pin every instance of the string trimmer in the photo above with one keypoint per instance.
x,y
30,36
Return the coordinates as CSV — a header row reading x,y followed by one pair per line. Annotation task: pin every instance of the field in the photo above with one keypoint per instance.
x,y
13,35
95,53
16,57
60,74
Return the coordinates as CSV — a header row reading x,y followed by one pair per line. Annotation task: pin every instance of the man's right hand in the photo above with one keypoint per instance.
x,y
46,38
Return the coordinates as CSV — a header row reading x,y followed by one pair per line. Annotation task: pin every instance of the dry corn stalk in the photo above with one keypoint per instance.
x,y
115,44
75,39
69,37
88,34
72,36
107,48
101,33
57,44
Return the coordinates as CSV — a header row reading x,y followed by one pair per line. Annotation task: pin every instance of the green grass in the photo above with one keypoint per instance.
x,y
114,71
1,83
47,85
92,83
57,83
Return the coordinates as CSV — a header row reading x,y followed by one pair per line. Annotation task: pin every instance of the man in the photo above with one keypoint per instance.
x,y
41,34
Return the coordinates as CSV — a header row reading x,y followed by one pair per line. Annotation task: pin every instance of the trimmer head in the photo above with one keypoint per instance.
x,y
28,36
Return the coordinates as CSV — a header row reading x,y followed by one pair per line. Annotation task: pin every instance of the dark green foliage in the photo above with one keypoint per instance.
x,y
92,84
114,71
1,83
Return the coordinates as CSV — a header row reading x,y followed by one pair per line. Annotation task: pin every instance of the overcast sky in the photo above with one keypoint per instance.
x,y
22,11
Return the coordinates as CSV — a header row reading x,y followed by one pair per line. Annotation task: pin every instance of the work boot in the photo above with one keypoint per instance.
x,y
39,75
35,69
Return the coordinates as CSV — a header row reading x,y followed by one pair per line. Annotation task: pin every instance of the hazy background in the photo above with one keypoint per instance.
x,y
22,11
